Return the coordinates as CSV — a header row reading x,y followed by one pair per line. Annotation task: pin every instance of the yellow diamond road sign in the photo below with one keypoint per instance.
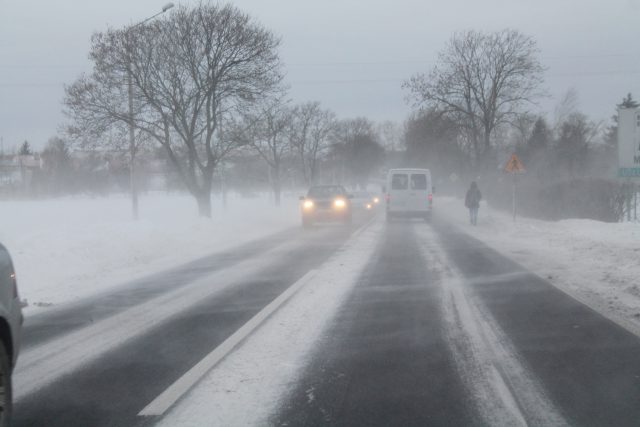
x,y
514,165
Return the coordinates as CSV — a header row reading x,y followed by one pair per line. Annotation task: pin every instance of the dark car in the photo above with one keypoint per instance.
x,y
10,329
365,201
326,203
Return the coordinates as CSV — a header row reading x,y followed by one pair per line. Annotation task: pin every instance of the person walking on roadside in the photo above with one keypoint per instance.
x,y
472,202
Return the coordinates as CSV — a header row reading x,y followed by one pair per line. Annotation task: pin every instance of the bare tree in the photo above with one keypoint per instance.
x,y
191,72
267,133
432,140
521,129
569,104
57,166
390,134
310,134
576,134
483,80
98,105
357,153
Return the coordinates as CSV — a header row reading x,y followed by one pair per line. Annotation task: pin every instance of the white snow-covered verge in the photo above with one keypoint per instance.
x,y
247,386
597,263
69,248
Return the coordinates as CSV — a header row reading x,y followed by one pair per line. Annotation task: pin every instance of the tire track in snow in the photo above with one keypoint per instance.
x,y
262,370
505,393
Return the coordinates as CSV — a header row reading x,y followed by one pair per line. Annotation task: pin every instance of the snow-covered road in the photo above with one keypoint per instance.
x,y
593,261
404,323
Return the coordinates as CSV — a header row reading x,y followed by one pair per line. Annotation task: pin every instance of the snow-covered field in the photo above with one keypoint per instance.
x,y
70,248
596,262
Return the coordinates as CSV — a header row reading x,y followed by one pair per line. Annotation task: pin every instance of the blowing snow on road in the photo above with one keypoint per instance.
x,y
354,213
407,323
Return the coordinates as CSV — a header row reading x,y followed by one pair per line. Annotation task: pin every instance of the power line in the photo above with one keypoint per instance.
x,y
426,61
366,81
43,66
347,63
594,73
34,85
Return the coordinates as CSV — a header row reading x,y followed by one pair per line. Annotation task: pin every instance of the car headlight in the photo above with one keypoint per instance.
x,y
369,206
376,200
339,203
308,204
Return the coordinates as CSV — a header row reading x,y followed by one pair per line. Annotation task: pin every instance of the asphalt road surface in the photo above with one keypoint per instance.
x,y
404,348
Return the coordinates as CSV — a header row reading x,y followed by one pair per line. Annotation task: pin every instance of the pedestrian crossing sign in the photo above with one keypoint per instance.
x,y
514,165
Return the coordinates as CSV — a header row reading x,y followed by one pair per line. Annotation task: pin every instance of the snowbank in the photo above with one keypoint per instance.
x,y
596,262
70,248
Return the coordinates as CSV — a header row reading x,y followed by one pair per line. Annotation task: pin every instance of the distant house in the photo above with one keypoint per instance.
x,y
17,171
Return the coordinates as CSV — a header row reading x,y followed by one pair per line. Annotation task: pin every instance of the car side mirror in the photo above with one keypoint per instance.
x,y
349,196
301,198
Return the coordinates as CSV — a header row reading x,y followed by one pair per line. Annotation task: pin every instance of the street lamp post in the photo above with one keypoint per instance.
x,y
132,138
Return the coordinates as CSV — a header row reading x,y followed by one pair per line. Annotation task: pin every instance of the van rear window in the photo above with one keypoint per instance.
x,y
418,182
399,182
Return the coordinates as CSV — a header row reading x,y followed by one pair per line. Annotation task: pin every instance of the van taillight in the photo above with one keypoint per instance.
x,y
430,198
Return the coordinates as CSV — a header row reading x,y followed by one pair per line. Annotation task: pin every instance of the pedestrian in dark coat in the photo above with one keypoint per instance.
x,y
472,202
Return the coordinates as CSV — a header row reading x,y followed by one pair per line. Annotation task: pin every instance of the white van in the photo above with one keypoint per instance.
x,y
409,193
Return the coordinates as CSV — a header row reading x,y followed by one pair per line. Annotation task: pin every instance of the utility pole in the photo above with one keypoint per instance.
x,y
133,184
132,149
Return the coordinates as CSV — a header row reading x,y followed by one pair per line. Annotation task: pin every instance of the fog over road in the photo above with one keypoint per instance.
x,y
438,329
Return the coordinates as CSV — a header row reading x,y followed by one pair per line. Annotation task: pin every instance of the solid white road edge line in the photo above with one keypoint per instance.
x,y
185,383
171,395
260,372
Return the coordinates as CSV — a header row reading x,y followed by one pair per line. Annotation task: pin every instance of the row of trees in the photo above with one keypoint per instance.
x,y
570,161
309,138
570,146
473,109
203,84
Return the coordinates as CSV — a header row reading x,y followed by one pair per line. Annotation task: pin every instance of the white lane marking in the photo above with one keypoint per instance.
x,y
504,390
247,386
185,383
43,364
176,390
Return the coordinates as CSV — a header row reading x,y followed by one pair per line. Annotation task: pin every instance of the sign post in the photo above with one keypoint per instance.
x,y
514,166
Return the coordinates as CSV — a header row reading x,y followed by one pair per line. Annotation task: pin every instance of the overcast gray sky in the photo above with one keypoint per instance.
x,y
350,55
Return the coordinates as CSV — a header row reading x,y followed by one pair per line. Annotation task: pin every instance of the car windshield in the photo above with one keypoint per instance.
x,y
326,192
319,213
